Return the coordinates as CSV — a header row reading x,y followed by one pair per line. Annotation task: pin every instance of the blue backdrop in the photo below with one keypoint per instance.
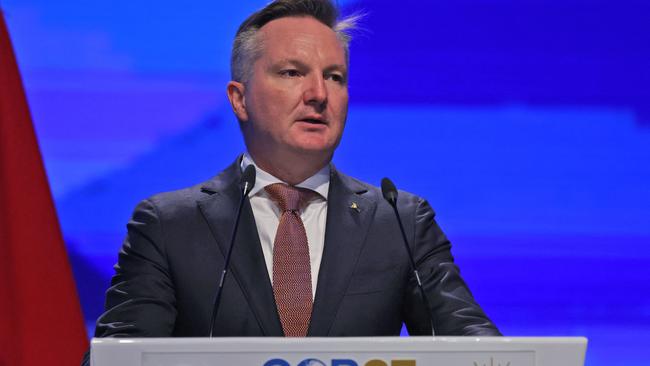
x,y
525,124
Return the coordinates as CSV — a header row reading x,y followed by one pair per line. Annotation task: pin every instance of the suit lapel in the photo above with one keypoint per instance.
x,y
247,264
349,216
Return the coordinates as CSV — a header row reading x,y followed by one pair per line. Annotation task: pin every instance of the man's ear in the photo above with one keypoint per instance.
x,y
235,91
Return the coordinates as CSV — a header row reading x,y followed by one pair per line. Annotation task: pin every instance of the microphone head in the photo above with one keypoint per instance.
x,y
389,191
247,181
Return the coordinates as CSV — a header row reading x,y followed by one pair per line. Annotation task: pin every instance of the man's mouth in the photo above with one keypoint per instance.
x,y
313,120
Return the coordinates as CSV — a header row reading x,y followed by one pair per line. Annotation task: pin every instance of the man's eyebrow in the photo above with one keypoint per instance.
x,y
335,67
293,62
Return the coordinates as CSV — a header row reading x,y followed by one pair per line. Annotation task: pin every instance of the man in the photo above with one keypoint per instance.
x,y
333,264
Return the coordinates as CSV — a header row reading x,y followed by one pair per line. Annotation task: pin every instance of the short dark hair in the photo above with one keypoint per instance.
x,y
246,47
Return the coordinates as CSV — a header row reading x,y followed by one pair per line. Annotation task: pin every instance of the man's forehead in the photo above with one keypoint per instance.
x,y
296,33
286,28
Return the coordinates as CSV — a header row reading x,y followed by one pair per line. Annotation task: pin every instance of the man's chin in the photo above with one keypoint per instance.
x,y
319,151
314,145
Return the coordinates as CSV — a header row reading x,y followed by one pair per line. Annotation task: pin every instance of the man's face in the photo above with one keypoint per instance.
x,y
297,97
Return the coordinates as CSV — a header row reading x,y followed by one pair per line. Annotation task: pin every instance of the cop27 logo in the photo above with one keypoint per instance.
x,y
340,362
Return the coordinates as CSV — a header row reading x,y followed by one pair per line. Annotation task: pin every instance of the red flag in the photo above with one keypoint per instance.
x,y
40,316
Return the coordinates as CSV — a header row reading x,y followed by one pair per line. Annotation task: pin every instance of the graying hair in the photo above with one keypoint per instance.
x,y
247,46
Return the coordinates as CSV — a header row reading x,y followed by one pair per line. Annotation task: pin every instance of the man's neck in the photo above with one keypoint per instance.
x,y
290,171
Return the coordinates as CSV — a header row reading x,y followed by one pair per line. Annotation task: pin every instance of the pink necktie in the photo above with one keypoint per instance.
x,y
291,266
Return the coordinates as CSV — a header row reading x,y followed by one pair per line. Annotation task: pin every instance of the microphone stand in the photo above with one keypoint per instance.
x,y
248,180
390,194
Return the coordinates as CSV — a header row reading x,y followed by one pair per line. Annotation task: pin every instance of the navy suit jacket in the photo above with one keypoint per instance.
x,y
170,263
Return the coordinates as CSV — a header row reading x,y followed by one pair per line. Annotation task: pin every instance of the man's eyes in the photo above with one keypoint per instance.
x,y
290,73
293,73
338,78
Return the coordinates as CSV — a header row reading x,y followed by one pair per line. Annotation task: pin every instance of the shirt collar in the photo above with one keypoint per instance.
x,y
319,182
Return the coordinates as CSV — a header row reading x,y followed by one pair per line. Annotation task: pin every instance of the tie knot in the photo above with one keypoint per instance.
x,y
287,197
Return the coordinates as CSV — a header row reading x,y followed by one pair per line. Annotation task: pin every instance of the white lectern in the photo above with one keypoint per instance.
x,y
374,351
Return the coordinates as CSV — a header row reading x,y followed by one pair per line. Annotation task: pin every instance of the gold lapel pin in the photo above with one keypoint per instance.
x,y
355,207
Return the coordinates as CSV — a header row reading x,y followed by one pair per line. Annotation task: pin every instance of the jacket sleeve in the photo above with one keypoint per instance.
x,y
453,308
141,299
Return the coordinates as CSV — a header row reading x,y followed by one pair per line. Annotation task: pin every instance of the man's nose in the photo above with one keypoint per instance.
x,y
315,91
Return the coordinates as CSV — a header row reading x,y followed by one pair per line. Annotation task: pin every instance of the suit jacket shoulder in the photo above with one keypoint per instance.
x,y
382,271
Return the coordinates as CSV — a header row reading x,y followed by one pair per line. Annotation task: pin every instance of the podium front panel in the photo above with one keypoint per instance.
x,y
373,351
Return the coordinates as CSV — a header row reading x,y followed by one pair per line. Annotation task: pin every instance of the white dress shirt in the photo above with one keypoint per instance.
x,y
267,215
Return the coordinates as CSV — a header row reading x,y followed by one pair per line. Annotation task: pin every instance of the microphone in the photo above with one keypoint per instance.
x,y
389,192
246,184
247,181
